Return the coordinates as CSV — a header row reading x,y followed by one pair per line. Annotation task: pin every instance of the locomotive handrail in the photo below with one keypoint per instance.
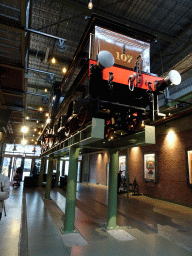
x,y
122,105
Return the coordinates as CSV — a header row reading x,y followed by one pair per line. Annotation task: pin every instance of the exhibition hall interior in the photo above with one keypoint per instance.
x,y
95,127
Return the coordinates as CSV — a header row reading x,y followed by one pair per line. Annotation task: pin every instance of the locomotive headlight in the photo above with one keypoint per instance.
x,y
105,59
174,77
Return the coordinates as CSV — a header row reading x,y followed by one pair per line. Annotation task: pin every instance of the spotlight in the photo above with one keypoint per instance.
x,y
45,90
35,129
143,123
48,120
53,60
64,70
47,114
24,129
27,117
90,5
37,121
40,109
23,142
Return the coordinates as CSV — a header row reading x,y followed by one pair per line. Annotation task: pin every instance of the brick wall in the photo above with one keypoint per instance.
x,y
170,149
98,168
85,167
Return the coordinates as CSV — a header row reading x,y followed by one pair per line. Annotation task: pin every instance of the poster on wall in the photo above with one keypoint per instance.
x,y
150,172
189,154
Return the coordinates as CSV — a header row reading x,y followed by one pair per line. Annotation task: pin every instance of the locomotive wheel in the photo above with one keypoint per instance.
x,y
82,117
67,131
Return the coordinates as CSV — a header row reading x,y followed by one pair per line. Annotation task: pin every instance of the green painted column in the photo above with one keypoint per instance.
x,y
42,168
49,178
69,221
127,171
112,190
58,172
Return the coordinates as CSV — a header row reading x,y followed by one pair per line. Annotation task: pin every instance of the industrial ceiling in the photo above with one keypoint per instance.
x,y
32,32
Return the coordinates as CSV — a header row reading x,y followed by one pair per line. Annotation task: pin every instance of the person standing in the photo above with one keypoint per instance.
x,y
4,191
119,181
35,170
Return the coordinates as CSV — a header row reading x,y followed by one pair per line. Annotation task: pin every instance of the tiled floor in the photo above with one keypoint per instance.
x,y
147,226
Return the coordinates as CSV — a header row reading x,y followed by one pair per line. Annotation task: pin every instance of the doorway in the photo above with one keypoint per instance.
x,y
27,167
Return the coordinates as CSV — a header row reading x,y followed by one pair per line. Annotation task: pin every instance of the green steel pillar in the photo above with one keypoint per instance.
x,y
42,168
112,190
58,172
69,221
127,171
49,178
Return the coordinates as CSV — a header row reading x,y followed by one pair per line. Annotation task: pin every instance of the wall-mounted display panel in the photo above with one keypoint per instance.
x,y
189,155
150,168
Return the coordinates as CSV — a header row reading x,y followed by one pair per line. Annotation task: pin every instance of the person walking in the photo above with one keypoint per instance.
x,y
4,191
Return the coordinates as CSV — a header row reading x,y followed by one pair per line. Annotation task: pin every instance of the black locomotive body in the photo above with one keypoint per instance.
x,y
113,83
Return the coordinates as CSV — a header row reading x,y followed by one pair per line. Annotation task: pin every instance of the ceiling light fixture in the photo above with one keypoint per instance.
x,y
45,90
14,147
64,70
53,60
90,5
47,114
48,120
27,117
24,129
23,142
40,109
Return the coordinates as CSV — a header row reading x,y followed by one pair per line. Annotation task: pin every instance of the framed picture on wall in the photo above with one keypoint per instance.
x,y
189,166
150,168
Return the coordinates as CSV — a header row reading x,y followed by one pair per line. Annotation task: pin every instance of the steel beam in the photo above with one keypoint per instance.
x,y
44,34
69,222
58,172
38,94
49,178
112,190
40,71
170,46
42,168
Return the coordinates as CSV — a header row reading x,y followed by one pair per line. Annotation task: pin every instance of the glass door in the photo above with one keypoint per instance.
x,y
16,162
27,167
6,163
79,171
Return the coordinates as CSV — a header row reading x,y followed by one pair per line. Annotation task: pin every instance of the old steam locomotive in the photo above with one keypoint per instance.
x,y
109,78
